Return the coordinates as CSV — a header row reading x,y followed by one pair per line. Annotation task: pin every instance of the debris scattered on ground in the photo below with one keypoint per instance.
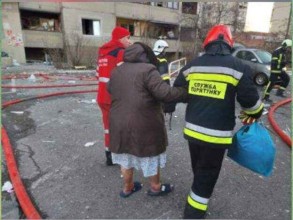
x,y
87,101
80,67
32,78
88,144
17,112
7,187
265,111
48,141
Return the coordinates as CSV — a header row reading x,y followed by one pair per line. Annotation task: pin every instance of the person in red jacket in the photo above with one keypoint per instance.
x,y
109,56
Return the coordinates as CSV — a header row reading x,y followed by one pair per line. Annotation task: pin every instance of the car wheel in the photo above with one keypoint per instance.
x,y
260,79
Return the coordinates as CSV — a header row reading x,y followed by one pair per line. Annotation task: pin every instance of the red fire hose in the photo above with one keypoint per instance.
x,y
21,194
274,124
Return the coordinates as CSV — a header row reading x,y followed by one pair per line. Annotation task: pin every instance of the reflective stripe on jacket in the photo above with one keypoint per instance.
x,y
278,60
163,69
109,56
214,81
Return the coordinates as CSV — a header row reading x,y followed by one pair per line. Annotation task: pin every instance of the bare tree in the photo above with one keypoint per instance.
x,y
209,15
75,48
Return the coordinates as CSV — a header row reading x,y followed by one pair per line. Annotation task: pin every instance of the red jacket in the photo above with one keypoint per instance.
x,y
110,54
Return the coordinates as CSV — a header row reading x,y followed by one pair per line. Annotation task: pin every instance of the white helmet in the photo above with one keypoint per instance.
x,y
287,43
159,46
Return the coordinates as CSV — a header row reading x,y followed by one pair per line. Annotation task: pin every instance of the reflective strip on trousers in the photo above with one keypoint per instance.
x,y
106,131
255,109
197,202
266,90
104,79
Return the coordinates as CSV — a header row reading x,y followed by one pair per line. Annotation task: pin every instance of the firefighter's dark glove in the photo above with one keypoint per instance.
x,y
169,107
246,120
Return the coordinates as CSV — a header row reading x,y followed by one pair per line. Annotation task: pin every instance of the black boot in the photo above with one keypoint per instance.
x,y
193,213
267,99
109,158
280,92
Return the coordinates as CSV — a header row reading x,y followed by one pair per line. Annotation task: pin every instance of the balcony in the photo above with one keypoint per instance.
x,y
42,39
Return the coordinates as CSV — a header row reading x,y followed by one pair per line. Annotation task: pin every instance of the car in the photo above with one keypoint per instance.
x,y
260,62
237,46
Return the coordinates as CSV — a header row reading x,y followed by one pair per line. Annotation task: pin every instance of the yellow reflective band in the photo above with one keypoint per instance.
x,y
275,58
256,110
275,71
279,61
162,60
282,88
207,138
196,205
166,77
207,88
266,90
213,77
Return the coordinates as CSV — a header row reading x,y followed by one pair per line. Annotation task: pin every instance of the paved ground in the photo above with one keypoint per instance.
x,y
67,180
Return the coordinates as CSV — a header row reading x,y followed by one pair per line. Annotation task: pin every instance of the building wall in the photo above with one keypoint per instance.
x,y
280,18
13,37
42,39
72,13
41,6
72,23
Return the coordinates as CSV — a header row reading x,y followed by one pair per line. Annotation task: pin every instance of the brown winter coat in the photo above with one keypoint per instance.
x,y
137,124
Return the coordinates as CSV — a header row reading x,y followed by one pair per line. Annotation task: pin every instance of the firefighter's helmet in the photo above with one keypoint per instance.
x,y
159,46
287,43
219,33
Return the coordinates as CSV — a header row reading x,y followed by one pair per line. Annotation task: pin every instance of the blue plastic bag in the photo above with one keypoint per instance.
x,y
254,149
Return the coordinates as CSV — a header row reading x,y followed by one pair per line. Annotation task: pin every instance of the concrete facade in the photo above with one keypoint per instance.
x,y
149,21
280,19
13,37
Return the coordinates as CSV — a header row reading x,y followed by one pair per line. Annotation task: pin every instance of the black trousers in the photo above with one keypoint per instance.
x,y
274,78
206,165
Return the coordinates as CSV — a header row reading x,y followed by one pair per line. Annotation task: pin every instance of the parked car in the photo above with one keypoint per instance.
x,y
259,61
237,46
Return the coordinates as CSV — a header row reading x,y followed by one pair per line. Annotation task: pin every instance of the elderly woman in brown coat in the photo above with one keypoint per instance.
x,y
137,126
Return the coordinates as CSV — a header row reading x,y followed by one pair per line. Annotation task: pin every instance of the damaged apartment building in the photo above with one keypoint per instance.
x,y
69,33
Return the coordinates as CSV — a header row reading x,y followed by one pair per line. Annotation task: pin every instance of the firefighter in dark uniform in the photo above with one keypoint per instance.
x,y
277,71
214,81
159,51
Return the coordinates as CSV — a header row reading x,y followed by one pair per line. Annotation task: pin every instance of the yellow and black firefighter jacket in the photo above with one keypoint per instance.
x,y
214,80
278,60
164,72
163,69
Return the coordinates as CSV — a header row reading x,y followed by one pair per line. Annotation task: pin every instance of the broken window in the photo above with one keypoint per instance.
x,y
163,30
34,55
173,5
91,27
189,7
134,26
40,21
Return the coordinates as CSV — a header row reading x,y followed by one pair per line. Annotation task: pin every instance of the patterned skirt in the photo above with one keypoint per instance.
x,y
148,165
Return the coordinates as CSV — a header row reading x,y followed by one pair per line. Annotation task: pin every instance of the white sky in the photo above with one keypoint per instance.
x,y
258,16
